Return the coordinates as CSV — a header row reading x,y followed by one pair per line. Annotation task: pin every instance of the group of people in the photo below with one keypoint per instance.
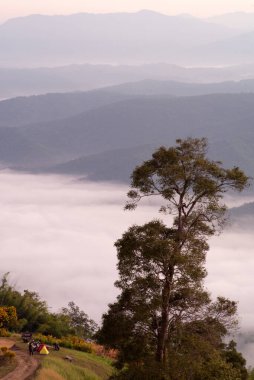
x,y
33,346
36,345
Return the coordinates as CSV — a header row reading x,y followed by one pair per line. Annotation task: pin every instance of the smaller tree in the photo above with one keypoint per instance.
x,y
79,321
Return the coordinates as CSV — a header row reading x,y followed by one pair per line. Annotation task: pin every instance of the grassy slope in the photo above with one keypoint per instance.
x,y
84,366
53,366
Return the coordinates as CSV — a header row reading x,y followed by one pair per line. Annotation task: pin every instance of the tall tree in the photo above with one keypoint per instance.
x,y
162,302
192,187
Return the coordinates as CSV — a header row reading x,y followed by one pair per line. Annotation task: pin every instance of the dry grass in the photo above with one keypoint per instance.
x,y
9,366
49,374
68,371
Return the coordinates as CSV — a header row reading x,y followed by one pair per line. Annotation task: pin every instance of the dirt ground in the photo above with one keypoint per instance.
x,y
26,366
6,342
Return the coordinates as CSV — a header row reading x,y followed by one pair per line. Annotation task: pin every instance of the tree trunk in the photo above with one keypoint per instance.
x,y
163,329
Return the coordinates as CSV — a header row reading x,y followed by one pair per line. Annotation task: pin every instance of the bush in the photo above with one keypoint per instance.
x,y
4,333
72,342
76,343
150,371
100,350
9,355
84,347
6,356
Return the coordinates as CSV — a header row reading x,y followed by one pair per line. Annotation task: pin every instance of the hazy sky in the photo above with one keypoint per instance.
x,y
13,8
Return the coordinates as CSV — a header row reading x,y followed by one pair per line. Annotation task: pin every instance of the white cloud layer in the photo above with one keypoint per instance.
x,y
57,237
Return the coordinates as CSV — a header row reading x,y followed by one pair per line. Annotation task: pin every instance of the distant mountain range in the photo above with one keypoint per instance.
x,y
18,82
132,38
246,210
43,108
237,49
107,136
153,87
238,20
242,217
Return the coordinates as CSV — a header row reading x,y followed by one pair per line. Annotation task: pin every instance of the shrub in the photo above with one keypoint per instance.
x,y
76,343
9,355
72,342
4,333
84,347
4,349
102,351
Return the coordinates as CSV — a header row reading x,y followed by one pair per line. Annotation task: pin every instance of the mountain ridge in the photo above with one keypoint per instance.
x,y
59,106
72,78
104,38
226,120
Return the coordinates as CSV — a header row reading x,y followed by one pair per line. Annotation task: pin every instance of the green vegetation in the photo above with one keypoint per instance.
x,y
26,311
8,317
81,324
72,342
4,333
251,374
164,322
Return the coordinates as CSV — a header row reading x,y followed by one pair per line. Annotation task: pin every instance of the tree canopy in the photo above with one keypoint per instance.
x,y
79,321
22,311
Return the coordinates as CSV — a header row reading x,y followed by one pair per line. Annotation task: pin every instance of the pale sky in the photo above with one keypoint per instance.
x,y
200,8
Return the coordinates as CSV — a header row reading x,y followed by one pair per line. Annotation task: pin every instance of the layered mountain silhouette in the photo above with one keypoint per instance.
x,y
108,141
238,49
152,87
43,108
59,106
18,82
246,210
140,37
238,20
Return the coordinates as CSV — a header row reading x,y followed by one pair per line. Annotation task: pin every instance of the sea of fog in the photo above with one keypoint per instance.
x,y
57,238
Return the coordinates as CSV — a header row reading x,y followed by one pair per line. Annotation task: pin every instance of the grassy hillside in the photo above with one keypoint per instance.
x,y
84,366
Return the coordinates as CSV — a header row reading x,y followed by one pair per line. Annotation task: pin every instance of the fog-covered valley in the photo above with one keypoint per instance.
x,y
57,238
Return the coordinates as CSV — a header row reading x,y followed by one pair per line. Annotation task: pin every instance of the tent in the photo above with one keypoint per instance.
x,y
43,350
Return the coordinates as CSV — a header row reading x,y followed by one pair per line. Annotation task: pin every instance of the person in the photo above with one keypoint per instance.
x,y
31,347
56,346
